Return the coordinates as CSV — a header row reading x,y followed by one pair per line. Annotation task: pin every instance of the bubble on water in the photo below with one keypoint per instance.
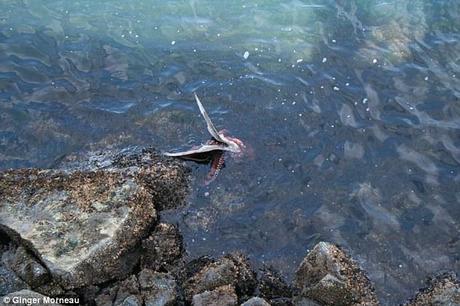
x,y
426,78
279,60
374,61
336,88
334,41
246,55
365,100
173,42
300,60
206,194
324,59
347,84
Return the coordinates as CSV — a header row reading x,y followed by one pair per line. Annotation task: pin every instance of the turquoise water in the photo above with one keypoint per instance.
x,y
351,107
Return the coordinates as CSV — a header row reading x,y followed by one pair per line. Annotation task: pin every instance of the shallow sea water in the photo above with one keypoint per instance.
x,y
352,109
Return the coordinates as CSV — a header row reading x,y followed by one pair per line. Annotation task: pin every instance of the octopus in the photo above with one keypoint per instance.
x,y
213,151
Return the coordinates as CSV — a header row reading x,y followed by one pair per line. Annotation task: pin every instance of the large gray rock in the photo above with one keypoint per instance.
x,y
443,290
329,276
220,296
84,219
231,270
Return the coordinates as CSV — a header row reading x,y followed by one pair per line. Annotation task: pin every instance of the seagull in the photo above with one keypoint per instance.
x,y
213,151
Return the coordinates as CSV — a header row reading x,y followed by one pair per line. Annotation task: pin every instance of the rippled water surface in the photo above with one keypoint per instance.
x,y
352,109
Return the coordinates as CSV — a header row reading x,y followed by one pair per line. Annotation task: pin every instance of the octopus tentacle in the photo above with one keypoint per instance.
x,y
217,163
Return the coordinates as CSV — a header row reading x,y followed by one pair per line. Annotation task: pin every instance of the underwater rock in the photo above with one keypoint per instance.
x,y
220,296
255,301
443,290
84,219
158,289
331,277
230,270
163,248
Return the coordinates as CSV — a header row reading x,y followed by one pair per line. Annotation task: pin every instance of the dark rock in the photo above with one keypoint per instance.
x,y
443,290
158,289
106,296
220,296
162,249
88,294
128,292
272,286
255,301
230,270
26,267
51,288
83,221
9,281
329,276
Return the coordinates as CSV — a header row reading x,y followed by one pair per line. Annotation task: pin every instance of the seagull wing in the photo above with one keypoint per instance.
x,y
211,128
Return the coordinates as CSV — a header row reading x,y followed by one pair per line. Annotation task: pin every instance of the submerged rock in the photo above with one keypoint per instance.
x,y
84,219
231,270
220,296
443,290
329,276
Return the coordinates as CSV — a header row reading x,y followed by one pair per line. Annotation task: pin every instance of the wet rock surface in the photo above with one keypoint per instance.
x,y
443,290
83,222
330,277
89,229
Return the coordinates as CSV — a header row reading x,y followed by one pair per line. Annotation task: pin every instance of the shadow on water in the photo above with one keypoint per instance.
x,y
352,109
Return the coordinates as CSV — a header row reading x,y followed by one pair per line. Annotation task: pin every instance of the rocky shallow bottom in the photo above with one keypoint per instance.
x,y
89,232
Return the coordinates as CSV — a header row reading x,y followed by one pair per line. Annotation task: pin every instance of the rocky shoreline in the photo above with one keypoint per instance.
x,y
89,232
